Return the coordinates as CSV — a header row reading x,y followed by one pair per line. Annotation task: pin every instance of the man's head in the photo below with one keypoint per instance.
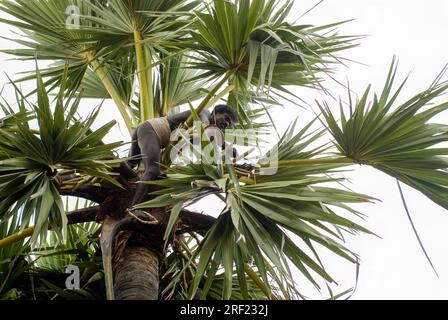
x,y
223,116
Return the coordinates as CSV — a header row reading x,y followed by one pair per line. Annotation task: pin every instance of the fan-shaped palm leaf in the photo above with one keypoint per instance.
x,y
30,160
398,140
253,41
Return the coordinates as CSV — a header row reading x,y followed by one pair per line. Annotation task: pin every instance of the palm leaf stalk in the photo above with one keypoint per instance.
x,y
146,79
148,27
104,78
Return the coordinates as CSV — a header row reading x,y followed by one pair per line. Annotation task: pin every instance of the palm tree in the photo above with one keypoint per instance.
x,y
152,58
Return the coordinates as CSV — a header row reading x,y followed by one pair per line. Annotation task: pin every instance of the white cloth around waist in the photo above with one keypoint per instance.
x,y
162,128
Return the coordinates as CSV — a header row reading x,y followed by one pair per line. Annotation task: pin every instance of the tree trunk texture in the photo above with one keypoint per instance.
x,y
132,249
137,274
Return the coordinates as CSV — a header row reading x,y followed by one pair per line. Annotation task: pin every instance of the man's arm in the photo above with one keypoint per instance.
x,y
179,118
205,117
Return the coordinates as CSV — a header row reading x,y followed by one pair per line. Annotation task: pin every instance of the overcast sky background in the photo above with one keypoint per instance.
x,y
392,267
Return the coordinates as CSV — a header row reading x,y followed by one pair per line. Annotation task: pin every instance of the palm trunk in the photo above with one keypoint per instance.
x,y
137,274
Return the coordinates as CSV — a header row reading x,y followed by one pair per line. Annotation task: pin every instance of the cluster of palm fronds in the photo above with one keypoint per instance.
x,y
27,273
186,42
32,158
261,215
155,57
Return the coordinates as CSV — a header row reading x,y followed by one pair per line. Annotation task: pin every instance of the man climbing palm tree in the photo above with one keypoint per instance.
x,y
153,135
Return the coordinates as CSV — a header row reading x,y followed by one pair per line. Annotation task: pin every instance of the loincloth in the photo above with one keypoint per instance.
x,y
162,128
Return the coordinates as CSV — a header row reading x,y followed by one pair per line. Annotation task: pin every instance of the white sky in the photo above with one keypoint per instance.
x,y
392,267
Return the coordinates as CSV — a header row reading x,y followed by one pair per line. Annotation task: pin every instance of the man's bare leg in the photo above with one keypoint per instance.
x,y
149,145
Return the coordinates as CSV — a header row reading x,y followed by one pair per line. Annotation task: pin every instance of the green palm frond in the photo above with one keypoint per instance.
x,y
10,119
401,141
53,256
48,263
46,37
263,215
149,28
176,85
13,262
158,22
252,106
180,270
30,160
154,57
248,42
120,72
217,289
254,41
